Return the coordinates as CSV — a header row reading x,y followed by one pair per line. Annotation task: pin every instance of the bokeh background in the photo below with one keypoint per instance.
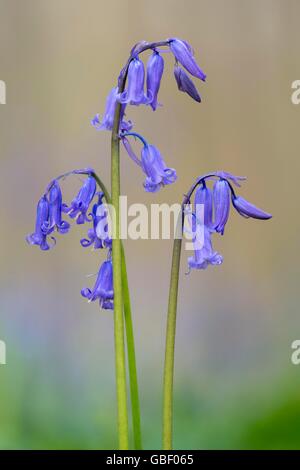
x,y
235,385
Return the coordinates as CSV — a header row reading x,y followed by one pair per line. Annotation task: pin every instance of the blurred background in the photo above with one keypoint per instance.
x,y
235,385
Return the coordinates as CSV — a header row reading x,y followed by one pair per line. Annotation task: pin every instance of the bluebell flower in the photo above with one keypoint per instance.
x,y
203,195
205,255
221,195
134,94
157,172
185,84
152,163
246,209
103,288
108,118
39,236
184,54
55,209
80,204
98,235
155,69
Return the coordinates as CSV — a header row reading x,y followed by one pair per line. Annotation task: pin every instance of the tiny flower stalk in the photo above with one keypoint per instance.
x,y
216,204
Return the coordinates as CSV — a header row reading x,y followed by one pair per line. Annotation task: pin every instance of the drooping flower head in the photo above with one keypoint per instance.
x,y
103,288
50,208
155,69
134,94
55,209
80,204
98,235
39,236
215,214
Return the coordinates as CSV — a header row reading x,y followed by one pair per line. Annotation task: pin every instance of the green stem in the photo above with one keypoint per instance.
x,y
170,348
118,299
134,392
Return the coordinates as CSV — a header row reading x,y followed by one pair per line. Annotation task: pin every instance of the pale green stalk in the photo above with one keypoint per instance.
x,y
170,348
118,292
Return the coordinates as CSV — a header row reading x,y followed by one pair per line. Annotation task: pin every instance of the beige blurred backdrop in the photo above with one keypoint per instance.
x,y
236,322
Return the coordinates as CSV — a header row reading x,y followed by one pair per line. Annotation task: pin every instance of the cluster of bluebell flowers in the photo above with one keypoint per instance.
x,y
145,92
216,204
142,89
49,213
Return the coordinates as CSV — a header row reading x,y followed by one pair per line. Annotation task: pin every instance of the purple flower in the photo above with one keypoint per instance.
x,y
204,196
135,91
103,288
80,204
39,236
185,84
221,196
184,54
157,173
55,208
108,117
98,238
152,163
155,69
205,255
247,209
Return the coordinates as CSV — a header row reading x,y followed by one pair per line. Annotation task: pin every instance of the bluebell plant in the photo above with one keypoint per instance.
x,y
136,86
216,203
